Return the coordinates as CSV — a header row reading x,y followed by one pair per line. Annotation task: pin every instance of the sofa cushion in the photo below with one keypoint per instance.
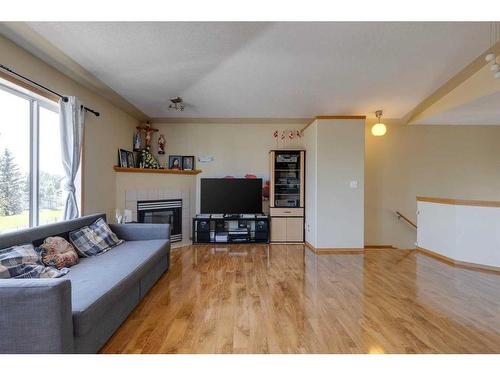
x,y
57,252
98,282
94,239
24,262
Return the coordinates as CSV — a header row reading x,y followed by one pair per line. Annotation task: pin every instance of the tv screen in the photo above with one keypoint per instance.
x,y
231,196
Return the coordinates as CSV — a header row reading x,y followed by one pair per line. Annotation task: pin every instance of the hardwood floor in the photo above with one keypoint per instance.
x,y
286,299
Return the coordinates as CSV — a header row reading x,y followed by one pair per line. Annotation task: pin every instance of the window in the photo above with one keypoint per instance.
x,y
31,171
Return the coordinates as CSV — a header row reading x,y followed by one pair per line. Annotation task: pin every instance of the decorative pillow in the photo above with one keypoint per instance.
x,y
24,262
57,252
94,239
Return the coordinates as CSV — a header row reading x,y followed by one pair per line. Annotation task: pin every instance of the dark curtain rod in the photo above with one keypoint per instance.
x,y
64,98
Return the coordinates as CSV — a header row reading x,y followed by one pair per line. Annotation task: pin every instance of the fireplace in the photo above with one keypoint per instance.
x,y
166,211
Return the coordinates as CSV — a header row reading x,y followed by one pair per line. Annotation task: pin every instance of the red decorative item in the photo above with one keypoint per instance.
x,y
250,176
290,135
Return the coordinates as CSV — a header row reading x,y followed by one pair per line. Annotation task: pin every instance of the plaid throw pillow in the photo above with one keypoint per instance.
x,y
24,262
94,239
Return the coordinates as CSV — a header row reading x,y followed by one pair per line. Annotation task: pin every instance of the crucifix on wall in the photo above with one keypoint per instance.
x,y
148,130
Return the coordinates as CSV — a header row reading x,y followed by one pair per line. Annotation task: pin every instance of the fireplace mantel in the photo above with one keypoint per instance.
x,y
160,171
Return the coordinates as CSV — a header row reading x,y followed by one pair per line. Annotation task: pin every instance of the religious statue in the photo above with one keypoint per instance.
x,y
148,130
137,141
161,144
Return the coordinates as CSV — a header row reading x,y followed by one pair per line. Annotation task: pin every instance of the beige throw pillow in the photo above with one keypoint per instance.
x,y
57,252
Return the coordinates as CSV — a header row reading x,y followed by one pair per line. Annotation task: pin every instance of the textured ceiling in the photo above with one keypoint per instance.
x,y
280,69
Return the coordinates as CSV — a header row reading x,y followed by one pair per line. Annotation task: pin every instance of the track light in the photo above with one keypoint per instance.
x,y
177,104
490,57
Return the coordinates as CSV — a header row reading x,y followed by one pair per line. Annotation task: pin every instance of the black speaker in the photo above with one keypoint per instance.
x,y
203,226
261,230
203,231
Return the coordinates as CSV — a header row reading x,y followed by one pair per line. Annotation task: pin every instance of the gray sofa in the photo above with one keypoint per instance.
x,y
79,312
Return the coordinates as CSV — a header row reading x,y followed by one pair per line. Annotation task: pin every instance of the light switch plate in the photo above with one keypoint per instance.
x,y
205,158
353,184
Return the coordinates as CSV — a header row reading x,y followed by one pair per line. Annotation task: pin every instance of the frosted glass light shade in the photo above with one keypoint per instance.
x,y
379,130
495,67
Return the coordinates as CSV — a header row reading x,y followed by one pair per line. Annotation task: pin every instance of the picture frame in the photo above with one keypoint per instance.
x,y
131,159
175,162
188,163
123,158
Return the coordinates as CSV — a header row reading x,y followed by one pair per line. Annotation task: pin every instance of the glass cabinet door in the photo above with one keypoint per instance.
x,y
287,179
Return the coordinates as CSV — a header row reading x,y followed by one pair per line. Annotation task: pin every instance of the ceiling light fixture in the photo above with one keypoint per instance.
x,y
491,57
177,104
379,129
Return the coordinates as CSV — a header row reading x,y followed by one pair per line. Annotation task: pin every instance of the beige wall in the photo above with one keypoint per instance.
x,y
411,160
340,218
103,135
237,149
335,211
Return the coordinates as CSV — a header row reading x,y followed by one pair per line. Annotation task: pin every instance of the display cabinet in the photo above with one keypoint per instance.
x,y
286,196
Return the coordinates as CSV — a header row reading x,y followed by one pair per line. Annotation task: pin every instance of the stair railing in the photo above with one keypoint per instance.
x,y
401,216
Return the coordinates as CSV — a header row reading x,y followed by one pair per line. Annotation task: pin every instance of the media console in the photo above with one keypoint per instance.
x,y
233,228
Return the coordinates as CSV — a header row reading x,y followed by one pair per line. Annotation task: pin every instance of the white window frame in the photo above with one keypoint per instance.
x,y
35,103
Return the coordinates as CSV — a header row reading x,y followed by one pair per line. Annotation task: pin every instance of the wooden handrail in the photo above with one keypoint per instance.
x,y
401,216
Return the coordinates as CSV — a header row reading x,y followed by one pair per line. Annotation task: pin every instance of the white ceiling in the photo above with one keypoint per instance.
x,y
482,111
284,69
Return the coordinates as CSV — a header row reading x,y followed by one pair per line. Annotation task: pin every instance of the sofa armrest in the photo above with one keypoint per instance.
x,y
35,316
138,232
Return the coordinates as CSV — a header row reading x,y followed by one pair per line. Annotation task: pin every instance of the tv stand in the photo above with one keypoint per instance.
x,y
230,228
232,216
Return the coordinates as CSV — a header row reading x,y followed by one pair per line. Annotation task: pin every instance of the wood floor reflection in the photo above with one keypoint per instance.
x,y
287,299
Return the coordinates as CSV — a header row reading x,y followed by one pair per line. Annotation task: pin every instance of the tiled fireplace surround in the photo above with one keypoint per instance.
x,y
134,195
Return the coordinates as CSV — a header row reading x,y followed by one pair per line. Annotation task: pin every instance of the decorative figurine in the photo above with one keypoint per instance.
x,y
137,141
161,144
148,130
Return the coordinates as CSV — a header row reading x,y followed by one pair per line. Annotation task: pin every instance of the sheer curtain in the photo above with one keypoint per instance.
x,y
72,121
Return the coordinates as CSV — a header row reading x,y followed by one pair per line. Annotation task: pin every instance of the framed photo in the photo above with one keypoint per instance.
x,y
123,158
130,159
188,163
175,162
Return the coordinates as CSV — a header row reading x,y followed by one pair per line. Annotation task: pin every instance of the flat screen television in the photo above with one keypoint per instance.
x,y
231,196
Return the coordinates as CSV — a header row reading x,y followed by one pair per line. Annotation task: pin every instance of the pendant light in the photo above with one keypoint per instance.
x,y
379,129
